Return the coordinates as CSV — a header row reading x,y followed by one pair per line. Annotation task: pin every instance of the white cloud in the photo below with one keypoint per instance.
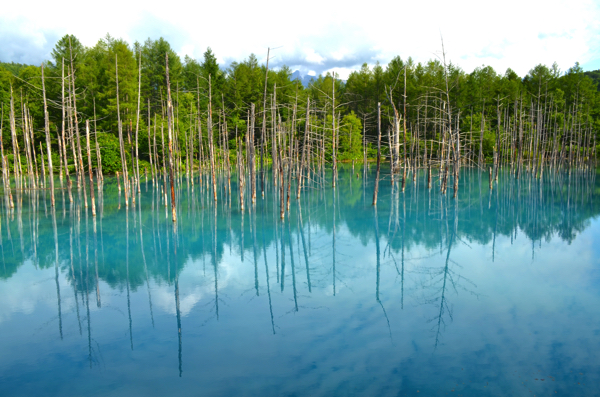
x,y
323,36
312,57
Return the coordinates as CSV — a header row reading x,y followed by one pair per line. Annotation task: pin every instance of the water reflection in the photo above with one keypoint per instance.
x,y
557,205
332,257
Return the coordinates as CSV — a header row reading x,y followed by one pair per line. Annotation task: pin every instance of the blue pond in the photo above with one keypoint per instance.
x,y
492,293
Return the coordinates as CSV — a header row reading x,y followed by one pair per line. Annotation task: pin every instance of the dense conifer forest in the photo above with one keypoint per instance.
x,y
134,102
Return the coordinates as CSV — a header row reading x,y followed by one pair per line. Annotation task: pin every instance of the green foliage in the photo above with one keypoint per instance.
x,y
246,84
472,123
350,131
476,95
210,68
12,68
68,48
109,152
6,81
192,72
594,75
154,83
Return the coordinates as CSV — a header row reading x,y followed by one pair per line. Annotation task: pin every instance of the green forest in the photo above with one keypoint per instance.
x,y
497,115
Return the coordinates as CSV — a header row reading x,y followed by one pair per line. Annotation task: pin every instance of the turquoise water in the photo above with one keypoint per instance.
x,y
495,293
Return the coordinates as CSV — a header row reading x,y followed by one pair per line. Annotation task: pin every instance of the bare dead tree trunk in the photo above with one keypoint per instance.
x,y
281,187
290,157
252,156
60,158
137,124
100,176
150,144
390,136
89,153
481,161
43,165
170,133
15,143
4,165
29,146
520,141
264,130
378,153
364,150
404,133
48,148
304,145
457,157
241,171
62,137
210,141
79,159
429,176
121,142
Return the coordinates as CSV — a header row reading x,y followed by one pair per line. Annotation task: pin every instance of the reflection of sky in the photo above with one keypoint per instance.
x,y
512,320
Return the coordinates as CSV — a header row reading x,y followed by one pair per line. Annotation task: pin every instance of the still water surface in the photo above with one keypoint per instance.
x,y
494,294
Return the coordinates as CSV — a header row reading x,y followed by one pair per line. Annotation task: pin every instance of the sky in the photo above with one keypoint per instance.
x,y
316,37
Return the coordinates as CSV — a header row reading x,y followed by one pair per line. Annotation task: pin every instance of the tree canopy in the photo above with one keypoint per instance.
x,y
91,73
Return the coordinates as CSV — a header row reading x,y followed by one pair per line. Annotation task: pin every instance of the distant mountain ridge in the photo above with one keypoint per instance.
x,y
305,80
